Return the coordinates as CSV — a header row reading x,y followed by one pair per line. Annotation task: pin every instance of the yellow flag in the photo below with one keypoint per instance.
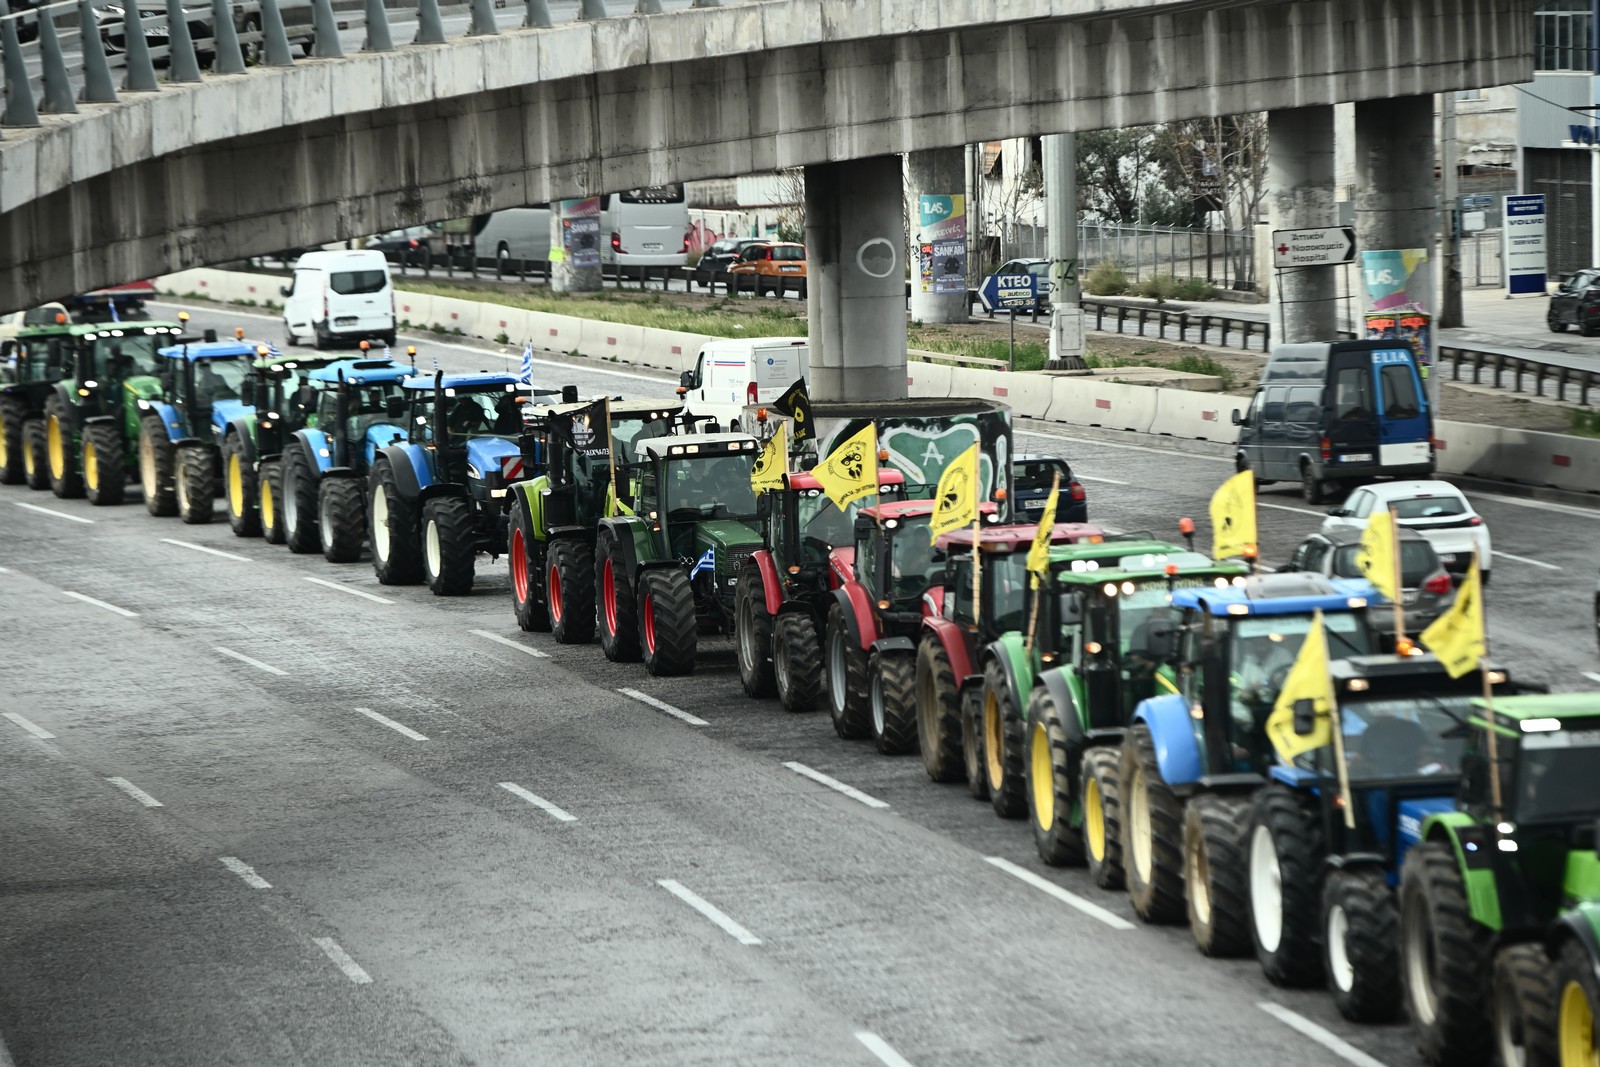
x,y
1039,554
1376,554
1456,637
851,470
1307,680
773,463
1233,517
956,499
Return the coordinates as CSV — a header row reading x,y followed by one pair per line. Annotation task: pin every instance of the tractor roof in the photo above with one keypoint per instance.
x,y
465,383
808,480
915,509
364,371
1278,594
126,329
199,351
620,409
1090,563
1560,706
1012,538
291,361
699,445
1422,667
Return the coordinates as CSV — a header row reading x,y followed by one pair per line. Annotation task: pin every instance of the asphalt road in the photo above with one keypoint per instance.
x,y
391,828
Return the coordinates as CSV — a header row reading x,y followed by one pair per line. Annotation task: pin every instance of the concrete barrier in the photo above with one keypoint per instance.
x,y
1029,395
1202,416
928,379
1525,456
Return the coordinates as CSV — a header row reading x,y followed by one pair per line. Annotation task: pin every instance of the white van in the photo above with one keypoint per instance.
x,y
728,374
339,296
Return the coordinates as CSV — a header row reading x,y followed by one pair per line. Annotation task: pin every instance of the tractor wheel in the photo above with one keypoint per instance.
x,y
12,417
617,610
158,472
1444,960
270,501
1286,853
449,545
752,634
668,629
104,481
571,592
530,567
846,672
65,479
240,489
1102,825
1527,999
1051,796
1152,832
341,519
1360,944
1216,873
938,712
1003,735
972,742
1577,1036
300,502
392,529
35,455
892,696
797,661
197,485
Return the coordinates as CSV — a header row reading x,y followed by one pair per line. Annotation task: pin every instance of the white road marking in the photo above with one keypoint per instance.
x,y
833,783
1092,478
1525,559
559,814
1539,505
534,652
209,551
353,592
677,713
1126,448
242,658
33,728
124,612
1592,676
704,907
51,511
391,724
1287,507
341,959
246,873
135,792
6,570
1327,1039
881,1049
1089,908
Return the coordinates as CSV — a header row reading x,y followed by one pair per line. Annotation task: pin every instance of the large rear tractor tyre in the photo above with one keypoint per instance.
x,y
797,661
617,608
752,634
1361,944
1152,832
972,757
938,712
158,470
892,698
240,491
392,529
35,455
846,671
1216,873
1051,793
1286,854
12,417
197,485
571,592
1527,999
300,503
668,629
66,481
1444,960
449,545
526,559
104,481
1004,736
341,519
1102,822
1577,1036
269,502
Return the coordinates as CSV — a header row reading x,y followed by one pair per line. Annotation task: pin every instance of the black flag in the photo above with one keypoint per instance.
x,y
796,404
585,428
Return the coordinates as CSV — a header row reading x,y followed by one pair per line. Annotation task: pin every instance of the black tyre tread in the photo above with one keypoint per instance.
x,y
759,678
298,478
112,481
1460,1032
12,418
1100,765
404,563
269,479
70,484
1062,844
1297,836
1221,826
532,612
938,712
1009,796
799,681
1535,986
248,523
972,757
1159,899
621,646
895,673
574,561
854,719
677,631
345,502
453,517
1372,944
161,494
197,473
34,447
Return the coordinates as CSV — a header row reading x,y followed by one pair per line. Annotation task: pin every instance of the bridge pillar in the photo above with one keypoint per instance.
x,y
1396,204
856,311
936,180
1300,176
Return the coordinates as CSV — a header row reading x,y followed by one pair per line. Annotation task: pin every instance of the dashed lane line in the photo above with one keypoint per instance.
x,y
247,874
1525,559
1092,478
1088,907
1592,676
206,549
135,792
352,591
710,911
242,658
52,511
556,813
341,959
124,612
391,724
661,705
1322,1036
881,1049
833,783
509,643
33,728
1289,507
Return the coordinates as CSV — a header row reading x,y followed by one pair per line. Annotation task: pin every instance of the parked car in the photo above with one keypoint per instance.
x,y
1031,479
722,255
1576,302
1436,510
1425,586
1040,269
775,259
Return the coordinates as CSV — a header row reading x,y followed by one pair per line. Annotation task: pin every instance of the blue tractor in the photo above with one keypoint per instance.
x,y
182,430
324,462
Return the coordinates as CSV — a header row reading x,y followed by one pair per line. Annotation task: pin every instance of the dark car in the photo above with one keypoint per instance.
x,y
1031,479
1040,269
1576,302
1426,589
722,255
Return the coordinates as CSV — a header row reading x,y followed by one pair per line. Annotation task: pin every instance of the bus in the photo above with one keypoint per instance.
x,y
639,228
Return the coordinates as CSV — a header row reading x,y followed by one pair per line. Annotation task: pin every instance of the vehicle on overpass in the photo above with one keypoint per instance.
x,y
32,360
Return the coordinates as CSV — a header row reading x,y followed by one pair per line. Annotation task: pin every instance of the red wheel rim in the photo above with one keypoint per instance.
x,y
608,596
649,622
519,567
555,594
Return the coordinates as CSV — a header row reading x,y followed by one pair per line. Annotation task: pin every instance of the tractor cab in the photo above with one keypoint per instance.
x,y
352,401
573,463
38,354
694,490
893,559
108,359
280,389
803,527
469,424
204,384
30,365
1002,578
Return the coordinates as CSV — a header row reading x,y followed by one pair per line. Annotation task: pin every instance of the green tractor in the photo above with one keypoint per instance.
x,y
282,400
30,364
669,571
1576,949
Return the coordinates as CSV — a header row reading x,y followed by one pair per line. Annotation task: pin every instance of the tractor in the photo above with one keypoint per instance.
x,y
668,571
30,364
254,440
555,514
1502,882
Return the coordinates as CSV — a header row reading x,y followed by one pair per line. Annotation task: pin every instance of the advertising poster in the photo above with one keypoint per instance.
x,y
1399,285
1522,248
942,243
580,231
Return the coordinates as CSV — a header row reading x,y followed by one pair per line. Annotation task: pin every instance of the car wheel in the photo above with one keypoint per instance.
x,y
1556,325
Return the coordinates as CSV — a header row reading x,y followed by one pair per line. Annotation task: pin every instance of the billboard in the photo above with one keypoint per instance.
x,y
1522,244
942,243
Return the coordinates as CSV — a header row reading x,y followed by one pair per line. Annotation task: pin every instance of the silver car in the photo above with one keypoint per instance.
x,y
1426,588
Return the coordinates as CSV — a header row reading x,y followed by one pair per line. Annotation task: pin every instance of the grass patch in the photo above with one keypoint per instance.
x,y
1030,356
1585,423
651,310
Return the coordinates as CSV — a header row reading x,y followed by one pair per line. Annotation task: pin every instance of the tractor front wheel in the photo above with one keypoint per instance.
x,y
892,696
65,479
300,502
617,610
12,417
270,502
1102,825
240,489
1577,1036
197,485
104,482
526,558
1003,737
752,634
1286,853
341,519
1444,959
1216,873
570,592
1527,996
158,475
938,712
846,671
392,529
1152,832
797,661
1050,789
1360,945
35,455
668,629
449,545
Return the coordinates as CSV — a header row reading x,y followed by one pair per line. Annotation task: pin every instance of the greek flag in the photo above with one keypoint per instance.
x,y
436,367
527,363
386,352
707,562
114,316
272,351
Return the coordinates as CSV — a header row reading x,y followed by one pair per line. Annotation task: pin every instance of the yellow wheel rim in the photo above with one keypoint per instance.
x,y
56,447
91,466
1094,819
1575,1032
993,758
28,464
267,515
5,453
235,486
1044,786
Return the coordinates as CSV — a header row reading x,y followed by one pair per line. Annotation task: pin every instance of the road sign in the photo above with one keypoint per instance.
x,y
1009,292
1313,248
1522,244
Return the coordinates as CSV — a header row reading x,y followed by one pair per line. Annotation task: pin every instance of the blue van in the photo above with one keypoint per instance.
x,y
1334,413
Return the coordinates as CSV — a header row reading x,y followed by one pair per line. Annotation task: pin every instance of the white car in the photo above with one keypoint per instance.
x,y
1436,510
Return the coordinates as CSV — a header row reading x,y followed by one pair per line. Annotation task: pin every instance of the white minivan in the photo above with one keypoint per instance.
x,y
729,374
340,296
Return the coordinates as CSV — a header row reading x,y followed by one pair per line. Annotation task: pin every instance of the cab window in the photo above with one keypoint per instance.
x,y
1401,399
1352,394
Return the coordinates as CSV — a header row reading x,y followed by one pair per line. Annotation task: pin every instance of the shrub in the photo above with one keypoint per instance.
x,y
1195,289
502,338
1106,279
1159,288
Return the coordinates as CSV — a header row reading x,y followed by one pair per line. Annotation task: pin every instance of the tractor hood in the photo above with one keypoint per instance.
x,y
225,411
383,435
729,543
485,453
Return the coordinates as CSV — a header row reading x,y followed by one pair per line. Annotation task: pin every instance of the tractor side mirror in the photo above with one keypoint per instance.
x,y
865,524
394,407
1161,641
764,506
1071,611
1305,717
1338,513
569,394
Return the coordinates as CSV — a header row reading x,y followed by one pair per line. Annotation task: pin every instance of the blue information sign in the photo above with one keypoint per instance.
x,y
1009,292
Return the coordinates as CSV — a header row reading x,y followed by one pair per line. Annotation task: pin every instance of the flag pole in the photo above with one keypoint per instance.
x,y
611,454
1496,801
1336,727
977,567
1399,590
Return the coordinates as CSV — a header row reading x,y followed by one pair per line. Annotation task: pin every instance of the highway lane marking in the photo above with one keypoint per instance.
x,y
33,728
1592,676
1127,448
1324,1037
881,1049
7,570
677,713
557,813
124,612
391,724
1539,505
534,652
210,551
1088,907
51,511
709,910
246,873
1092,478
1287,507
353,592
341,959
242,658
833,783
135,792
1530,562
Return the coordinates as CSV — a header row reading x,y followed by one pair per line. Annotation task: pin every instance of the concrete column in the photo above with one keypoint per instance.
x,y
856,312
1300,173
1060,167
1396,205
575,246
937,222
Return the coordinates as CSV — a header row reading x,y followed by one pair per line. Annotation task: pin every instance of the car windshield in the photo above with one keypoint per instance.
x,y
122,357
910,558
1417,561
40,316
1417,736
1555,776
1429,507
355,282
484,413
716,487
219,379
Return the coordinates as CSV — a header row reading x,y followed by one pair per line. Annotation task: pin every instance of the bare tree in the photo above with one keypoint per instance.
x,y
1009,203
1223,160
792,212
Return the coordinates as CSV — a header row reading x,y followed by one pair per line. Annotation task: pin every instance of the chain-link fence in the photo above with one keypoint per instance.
x,y
1222,258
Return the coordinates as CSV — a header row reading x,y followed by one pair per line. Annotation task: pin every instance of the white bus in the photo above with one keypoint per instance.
x,y
639,228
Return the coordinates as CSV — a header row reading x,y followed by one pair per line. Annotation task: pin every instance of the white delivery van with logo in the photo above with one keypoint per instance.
x,y
339,297
729,374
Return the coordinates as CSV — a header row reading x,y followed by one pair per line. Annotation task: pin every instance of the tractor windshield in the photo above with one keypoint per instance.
x,y
822,526
910,558
219,379
716,487
1263,648
1555,777
121,358
1397,738
626,433
482,414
